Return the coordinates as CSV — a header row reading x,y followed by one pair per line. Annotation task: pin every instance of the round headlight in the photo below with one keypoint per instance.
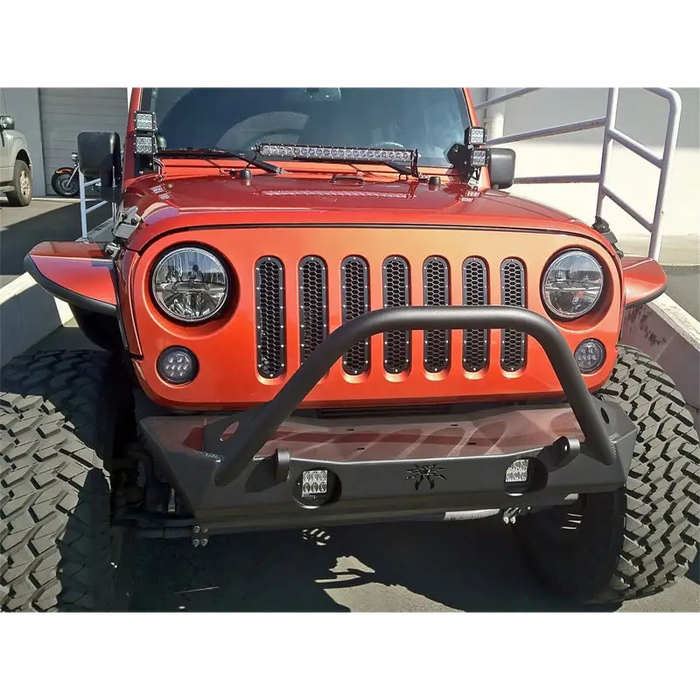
x,y
572,284
190,284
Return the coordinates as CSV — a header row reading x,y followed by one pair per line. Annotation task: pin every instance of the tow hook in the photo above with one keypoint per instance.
x,y
200,536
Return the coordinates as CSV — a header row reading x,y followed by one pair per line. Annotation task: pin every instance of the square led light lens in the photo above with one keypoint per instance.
x,y
477,158
476,136
314,482
518,472
144,121
144,145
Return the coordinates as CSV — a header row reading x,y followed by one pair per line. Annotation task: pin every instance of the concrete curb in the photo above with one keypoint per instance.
x,y
670,335
28,315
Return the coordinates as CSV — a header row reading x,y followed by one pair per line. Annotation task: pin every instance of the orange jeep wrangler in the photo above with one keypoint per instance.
x,y
316,307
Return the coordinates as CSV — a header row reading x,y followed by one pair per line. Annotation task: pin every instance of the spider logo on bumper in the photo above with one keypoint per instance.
x,y
427,473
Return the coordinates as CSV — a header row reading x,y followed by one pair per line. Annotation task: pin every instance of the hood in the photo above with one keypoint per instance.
x,y
296,199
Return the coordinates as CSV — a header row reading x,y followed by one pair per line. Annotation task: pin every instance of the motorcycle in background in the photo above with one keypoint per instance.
x,y
65,181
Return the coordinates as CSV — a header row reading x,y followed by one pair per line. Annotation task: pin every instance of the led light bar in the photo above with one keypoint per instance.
x,y
394,155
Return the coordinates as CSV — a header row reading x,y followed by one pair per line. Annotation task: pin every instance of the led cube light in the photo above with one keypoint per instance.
x,y
478,158
475,136
518,472
145,121
314,482
144,145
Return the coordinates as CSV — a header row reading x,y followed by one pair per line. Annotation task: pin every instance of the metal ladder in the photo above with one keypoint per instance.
x,y
611,133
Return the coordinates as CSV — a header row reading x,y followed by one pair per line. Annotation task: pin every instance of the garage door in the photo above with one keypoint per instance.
x,y
65,112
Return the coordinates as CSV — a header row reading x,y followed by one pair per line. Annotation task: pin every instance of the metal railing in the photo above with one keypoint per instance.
x,y
611,133
84,209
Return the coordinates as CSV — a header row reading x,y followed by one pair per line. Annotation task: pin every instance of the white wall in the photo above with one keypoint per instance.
x,y
642,116
23,105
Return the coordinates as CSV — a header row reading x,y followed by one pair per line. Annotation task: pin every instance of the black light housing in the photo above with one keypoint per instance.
x,y
144,144
145,128
177,365
145,122
477,157
475,136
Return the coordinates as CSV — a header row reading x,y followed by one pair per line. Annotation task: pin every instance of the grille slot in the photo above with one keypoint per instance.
x,y
513,294
270,327
313,304
355,299
436,292
474,293
397,344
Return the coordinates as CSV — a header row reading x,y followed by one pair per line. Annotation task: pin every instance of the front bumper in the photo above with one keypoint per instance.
x,y
244,471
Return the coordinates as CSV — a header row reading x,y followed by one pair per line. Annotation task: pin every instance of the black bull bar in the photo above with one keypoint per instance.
x,y
203,475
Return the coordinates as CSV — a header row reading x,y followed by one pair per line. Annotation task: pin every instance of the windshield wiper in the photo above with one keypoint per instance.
x,y
194,152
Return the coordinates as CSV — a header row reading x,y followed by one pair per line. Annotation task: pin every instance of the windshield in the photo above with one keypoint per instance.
x,y
235,119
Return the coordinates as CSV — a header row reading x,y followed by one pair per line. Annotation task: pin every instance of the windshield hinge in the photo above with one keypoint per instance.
x,y
127,223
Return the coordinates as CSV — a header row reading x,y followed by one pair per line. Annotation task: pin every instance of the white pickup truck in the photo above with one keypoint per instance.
x,y
15,164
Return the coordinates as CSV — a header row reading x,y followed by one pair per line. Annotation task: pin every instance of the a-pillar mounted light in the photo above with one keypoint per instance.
x,y
477,155
145,128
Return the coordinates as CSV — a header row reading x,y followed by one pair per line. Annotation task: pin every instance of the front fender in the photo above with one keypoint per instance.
x,y
17,144
644,280
78,273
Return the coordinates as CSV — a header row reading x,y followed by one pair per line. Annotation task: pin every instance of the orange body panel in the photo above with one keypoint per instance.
x,y
81,268
644,279
305,212
226,349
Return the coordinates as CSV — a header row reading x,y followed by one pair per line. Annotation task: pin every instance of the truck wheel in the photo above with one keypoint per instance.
x,y
57,433
638,540
22,183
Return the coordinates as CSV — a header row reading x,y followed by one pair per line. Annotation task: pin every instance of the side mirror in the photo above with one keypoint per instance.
x,y
7,123
99,154
501,167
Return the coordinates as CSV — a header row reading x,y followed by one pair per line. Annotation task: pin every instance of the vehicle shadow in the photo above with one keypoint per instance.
x,y
466,566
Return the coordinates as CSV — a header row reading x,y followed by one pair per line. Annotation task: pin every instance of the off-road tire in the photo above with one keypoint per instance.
x,y
640,539
15,197
57,548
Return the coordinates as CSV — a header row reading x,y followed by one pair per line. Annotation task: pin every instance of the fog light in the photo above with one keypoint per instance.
x,y
177,365
314,483
590,355
315,488
518,472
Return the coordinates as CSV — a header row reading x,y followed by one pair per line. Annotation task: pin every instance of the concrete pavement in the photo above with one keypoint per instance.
x,y
400,567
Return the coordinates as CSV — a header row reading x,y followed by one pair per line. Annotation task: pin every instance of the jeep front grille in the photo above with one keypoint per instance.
x,y
270,317
513,294
355,299
313,304
396,292
475,342
397,276
436,292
